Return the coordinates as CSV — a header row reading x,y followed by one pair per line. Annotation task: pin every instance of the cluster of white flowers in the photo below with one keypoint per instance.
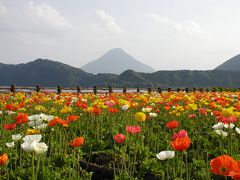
x,y
32,143
15,137
218,128
39,121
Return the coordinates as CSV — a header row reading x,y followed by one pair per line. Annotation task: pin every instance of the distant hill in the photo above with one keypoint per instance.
x,y
42,72
52,73
116,61
232,64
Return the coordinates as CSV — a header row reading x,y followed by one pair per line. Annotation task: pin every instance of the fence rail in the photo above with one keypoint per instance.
x,y
95,89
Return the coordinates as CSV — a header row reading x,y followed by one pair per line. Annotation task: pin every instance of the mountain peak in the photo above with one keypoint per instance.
x,y
233,64
115,61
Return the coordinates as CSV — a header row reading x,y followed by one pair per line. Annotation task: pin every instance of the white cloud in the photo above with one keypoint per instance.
x,y
3,9
108,21
48,14
186,26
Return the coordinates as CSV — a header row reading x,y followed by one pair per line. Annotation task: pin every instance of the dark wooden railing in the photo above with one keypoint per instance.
x,y
95,89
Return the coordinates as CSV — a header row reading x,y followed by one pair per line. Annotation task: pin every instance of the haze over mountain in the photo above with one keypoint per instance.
x,y
232,64
116,61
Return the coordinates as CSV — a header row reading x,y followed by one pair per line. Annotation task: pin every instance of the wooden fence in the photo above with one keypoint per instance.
x,y
95,89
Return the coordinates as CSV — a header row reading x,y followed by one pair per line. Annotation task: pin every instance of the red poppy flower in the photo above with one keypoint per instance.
x,y
191,116
76,142
172,124
222,165
181,144
119,138
112,110
133,129
9,126
235,173
21,118
181,134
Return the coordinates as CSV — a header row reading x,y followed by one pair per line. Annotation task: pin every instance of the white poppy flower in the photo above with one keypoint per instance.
x,y
29,146
231,126
33,117
148,109
221,133
153,114
10,145
237,130
218,126
16,137
125,107
41,126
10,112
32,138
45,117
40,148
163,155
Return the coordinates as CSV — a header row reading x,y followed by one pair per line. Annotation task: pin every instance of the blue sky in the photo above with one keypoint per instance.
x,y
165,34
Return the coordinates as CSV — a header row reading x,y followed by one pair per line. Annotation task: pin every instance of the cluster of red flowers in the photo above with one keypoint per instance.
x,y
225,165
9,126
21,118
120,138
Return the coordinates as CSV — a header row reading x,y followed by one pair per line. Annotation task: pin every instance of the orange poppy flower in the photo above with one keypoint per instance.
x,y
72,118
76,142
181,144
53,122
56,121
4,159
222,165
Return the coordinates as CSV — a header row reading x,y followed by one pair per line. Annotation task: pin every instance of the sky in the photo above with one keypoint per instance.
x,y
165,34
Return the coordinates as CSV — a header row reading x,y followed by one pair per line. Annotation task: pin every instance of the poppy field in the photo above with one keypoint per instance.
x,y
168,135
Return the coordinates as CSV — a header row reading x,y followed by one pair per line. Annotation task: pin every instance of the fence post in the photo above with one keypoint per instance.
x,y
38,88
95,89
110,90
59,89
138,89
78,89
124,90
12,88
149,90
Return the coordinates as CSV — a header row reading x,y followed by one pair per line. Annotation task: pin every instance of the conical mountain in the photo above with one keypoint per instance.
x,y
232,64
116,61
